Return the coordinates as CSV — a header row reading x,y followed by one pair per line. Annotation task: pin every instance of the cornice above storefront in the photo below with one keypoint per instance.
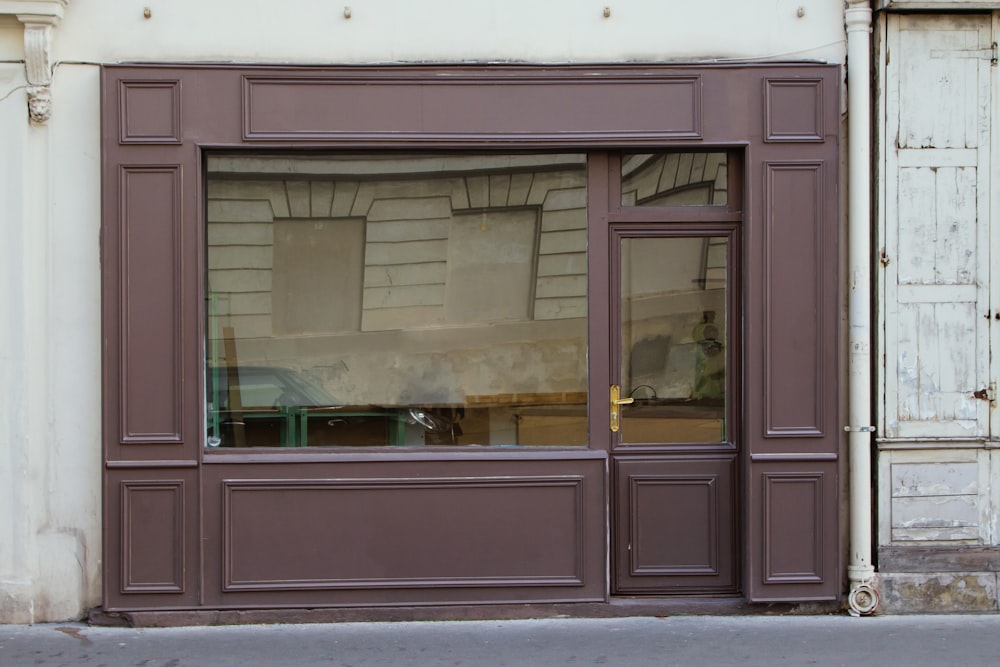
x,y
940,5
38,18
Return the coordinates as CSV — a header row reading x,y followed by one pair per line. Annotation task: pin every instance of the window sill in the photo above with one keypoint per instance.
x,y
355,454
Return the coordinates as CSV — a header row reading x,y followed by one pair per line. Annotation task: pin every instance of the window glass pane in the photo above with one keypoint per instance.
x,y
674,179
396,300
674,339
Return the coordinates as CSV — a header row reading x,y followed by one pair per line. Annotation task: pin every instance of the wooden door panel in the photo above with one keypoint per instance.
x,y
793,514
936,235
675,521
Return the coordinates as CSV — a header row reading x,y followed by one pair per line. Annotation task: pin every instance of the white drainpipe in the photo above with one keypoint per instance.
x,y
863,597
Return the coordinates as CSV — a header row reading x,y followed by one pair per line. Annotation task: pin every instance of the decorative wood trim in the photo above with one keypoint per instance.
x,y
147,301
415,108
231,488
781,94
131,465
426,453
777,530
777,223
144,126
711,568
793,457
139,525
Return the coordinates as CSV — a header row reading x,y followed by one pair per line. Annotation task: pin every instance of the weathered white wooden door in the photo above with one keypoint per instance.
x,y
936,250
994,273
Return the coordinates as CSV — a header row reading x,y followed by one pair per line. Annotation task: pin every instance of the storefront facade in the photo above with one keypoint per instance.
x,y
463,335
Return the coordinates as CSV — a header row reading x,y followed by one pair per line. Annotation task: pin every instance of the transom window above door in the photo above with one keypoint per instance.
x,y
675,178
396,300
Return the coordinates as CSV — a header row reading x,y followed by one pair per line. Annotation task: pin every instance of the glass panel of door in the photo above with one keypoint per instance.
x,y
673,332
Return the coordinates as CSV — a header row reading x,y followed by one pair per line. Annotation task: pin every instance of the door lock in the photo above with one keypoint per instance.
x,y
616,402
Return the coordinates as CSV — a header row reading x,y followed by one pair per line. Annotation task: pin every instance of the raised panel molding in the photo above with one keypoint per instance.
x,y
793,528
152,545
793,110
676,524
706,506
149,112
309,535
794,308
515,107
151,381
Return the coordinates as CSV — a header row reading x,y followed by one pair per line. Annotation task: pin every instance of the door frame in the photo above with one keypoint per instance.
x,y
605,350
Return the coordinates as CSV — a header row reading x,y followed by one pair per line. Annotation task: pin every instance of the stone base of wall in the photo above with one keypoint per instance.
x,y
937,593
921,580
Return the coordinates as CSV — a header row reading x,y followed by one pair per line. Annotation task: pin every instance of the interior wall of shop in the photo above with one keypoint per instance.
x,y
50,335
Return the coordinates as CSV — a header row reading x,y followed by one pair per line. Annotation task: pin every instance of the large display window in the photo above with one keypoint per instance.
x,y
396,300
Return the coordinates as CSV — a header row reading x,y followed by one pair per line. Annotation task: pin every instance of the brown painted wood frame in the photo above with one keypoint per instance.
x,y
176,518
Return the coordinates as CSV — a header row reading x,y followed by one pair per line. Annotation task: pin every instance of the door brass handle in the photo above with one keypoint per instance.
x,y
617,400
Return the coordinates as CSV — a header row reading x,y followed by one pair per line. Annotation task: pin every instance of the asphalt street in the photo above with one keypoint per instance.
x,y
913,641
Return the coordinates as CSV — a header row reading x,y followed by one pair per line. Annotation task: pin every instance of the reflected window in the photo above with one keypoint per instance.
x,y
396,300
674,345
675,179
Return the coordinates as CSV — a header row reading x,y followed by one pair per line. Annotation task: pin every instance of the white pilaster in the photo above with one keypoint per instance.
x,y
39,17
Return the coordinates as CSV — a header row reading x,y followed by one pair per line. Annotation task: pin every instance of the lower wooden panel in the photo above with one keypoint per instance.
x,y
795,556
676,525
152,553
486,531
793,527
405,532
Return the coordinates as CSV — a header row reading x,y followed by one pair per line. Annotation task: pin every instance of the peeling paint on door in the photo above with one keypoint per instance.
x,y
937,210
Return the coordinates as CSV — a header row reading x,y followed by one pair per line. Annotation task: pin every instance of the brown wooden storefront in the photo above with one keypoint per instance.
x,y
749,511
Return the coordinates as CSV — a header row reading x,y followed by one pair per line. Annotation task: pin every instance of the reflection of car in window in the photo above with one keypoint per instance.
x,y
267,387
266,406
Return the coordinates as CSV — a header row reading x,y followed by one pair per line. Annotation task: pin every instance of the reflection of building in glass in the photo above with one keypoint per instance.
x,y
710,360
674,179
411,280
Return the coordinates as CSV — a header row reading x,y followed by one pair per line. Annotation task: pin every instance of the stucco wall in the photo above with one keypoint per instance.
x,y
50,353
50,400
449,30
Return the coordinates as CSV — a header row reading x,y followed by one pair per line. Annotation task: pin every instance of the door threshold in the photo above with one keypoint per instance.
x,y
687,605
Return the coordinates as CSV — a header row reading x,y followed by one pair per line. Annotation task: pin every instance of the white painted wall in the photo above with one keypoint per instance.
x,y
449,30
50,353
50,397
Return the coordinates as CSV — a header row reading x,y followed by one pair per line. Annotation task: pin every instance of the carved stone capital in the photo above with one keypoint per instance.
x,y
39,103
38,18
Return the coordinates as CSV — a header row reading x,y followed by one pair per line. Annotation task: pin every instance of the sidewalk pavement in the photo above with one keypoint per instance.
x,y
913,641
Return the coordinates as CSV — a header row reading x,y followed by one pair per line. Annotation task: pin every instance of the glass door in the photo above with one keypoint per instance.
x,y
671,409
